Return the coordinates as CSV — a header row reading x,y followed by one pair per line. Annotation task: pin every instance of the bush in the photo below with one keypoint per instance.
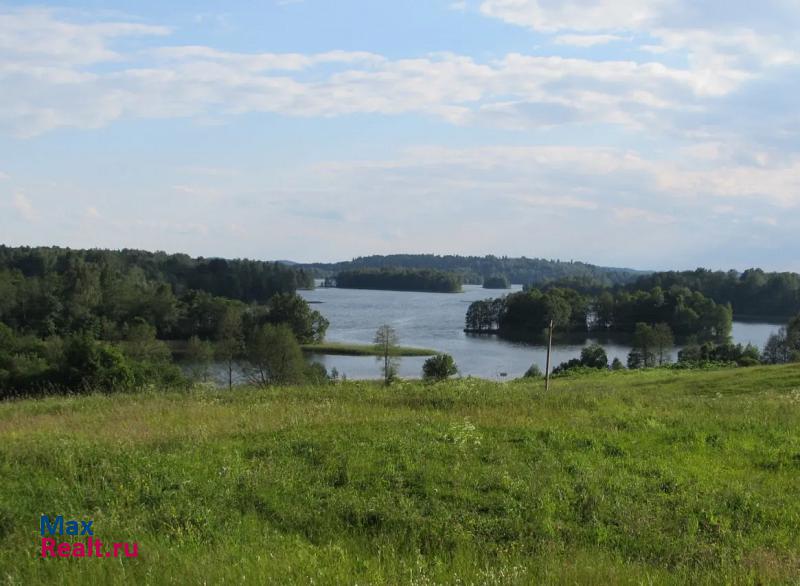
x,y
274,357
533,372
317,374
439,367
92,365
710,353
617,364
594,356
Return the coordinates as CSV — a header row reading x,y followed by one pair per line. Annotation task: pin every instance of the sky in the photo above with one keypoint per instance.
x,y
654,134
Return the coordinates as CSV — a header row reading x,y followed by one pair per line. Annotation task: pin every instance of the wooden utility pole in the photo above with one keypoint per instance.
x,y
549,349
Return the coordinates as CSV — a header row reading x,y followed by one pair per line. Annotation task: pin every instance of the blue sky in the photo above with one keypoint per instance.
x,y
644,133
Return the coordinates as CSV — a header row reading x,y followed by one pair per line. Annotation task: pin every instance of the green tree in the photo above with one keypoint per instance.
x,y
776,350
140,344
230,339
616,364
594,356
274,357
642,354
533,372
793,338
92,365
439,367
199,354
386,341
663,341
309,326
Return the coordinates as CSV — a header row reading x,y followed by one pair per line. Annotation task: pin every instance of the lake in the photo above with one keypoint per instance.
x,y
436,321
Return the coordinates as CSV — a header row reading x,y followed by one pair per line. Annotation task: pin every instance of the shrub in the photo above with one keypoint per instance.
x,y
439,367
274,357
89,365
594,356
534,372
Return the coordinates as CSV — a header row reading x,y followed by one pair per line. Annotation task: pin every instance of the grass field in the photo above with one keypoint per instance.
x,y
653,477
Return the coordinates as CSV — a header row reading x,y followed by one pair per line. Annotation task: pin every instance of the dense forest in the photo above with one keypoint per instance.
x,y
70,318
474,269
426,280
686,312
496,282
242,279
753,293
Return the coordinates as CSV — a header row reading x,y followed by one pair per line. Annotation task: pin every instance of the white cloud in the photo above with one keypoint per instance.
x,y
34,36
201,82
25,207
674,25
578,15
766,220
4,176
54,84
197,192
626,215
589,178
587,40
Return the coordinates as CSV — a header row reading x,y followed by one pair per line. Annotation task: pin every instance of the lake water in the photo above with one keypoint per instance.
x,y
436,321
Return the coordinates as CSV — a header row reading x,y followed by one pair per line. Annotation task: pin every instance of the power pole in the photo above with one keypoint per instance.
x,y
549,349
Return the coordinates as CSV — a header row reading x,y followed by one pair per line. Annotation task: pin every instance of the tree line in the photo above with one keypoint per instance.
x,y
686,312
652,346
242,279
474,269
77,319
427,280
752,293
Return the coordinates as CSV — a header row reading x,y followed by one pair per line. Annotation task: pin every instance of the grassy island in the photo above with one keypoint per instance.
x,y
347,349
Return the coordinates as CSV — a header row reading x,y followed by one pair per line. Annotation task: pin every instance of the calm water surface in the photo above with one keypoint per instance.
x,y
436,320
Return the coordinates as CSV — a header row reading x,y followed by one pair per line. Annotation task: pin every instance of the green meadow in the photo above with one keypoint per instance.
x,y
662,476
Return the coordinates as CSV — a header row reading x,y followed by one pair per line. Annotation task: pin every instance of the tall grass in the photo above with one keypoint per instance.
x,y
654,477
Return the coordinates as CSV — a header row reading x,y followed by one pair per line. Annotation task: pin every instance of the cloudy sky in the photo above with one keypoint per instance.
x,y
643,133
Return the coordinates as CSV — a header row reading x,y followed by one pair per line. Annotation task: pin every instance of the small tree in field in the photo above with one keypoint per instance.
x,y
386,341
274,357
663,342
230,340
439,367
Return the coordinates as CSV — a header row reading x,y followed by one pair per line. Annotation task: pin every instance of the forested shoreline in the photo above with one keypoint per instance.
x,y
753,293
74,319
473,270
424,280
688,313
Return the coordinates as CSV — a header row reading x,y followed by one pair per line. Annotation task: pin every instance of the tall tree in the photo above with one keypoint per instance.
x,y
663,341
557,313
386,341
642,354
230,339
307,324
274,356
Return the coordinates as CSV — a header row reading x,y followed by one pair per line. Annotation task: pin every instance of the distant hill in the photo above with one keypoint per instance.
x,y
474,269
